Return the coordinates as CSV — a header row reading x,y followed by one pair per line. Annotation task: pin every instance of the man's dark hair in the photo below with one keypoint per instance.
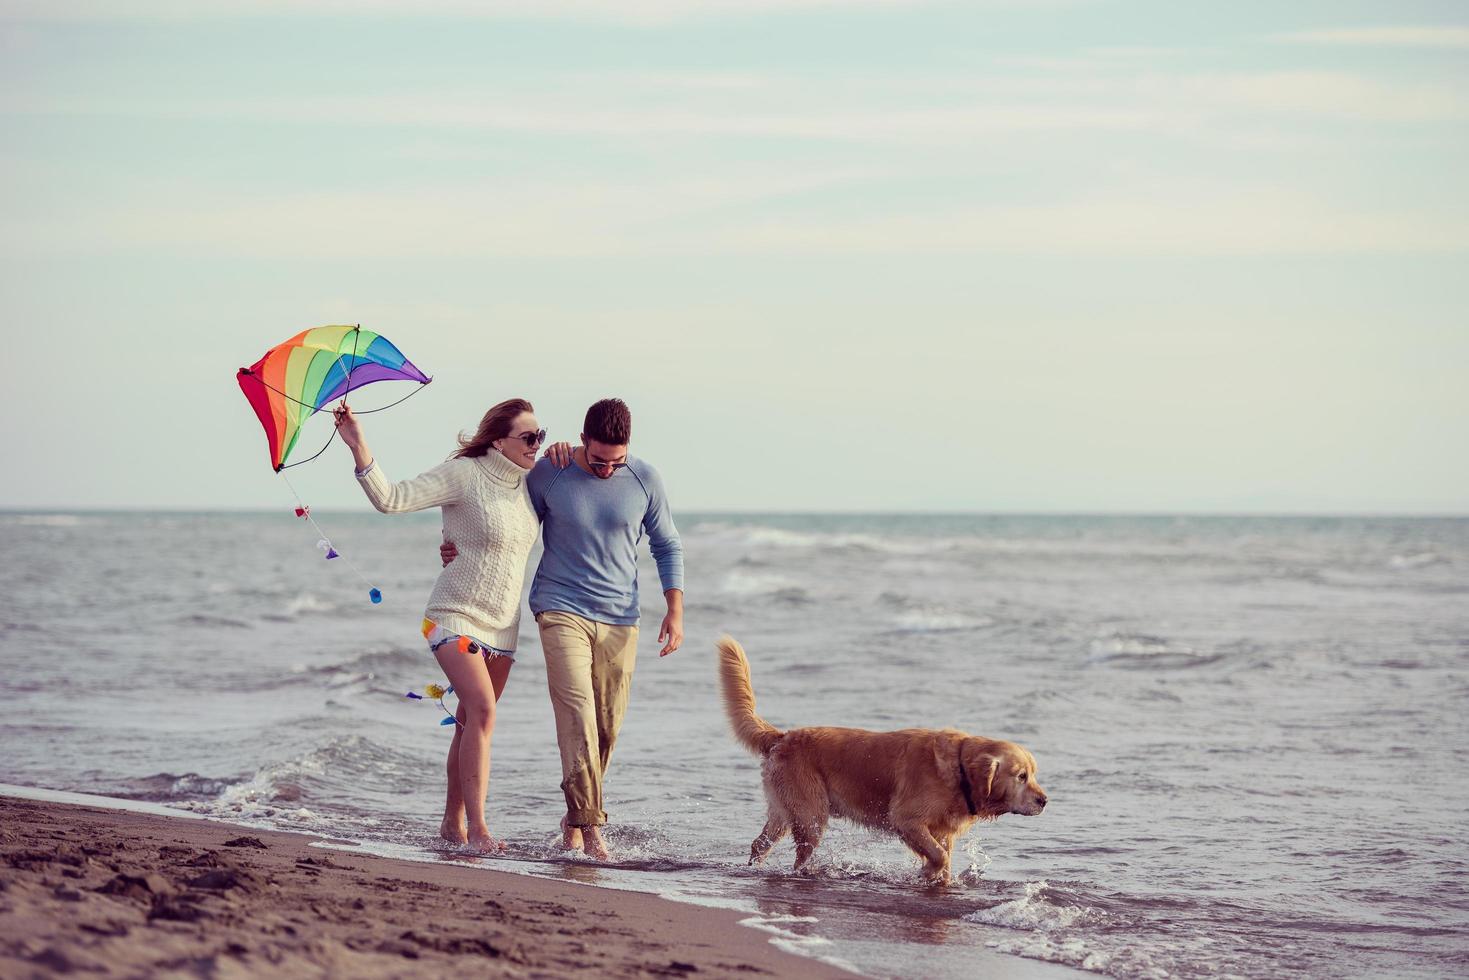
x,y
609,421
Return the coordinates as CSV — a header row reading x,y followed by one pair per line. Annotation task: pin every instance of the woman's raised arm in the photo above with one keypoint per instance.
x,y
441,485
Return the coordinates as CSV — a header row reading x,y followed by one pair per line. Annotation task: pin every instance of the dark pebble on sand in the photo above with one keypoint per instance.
x,y
255,842
224,879
140,887
171,909
109,928
311,862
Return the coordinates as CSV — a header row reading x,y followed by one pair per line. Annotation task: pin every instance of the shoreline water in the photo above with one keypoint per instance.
x,y
51,834
137,889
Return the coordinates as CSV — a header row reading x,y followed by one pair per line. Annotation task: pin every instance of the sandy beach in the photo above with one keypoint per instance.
x,y
88,890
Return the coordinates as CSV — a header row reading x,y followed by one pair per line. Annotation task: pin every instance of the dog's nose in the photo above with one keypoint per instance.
x,y
1041,802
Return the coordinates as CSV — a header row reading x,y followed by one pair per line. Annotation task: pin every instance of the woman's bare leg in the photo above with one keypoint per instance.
x,y
472,682
452,828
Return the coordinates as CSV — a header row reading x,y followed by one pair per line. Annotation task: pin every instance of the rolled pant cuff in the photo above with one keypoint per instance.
x,y
585,818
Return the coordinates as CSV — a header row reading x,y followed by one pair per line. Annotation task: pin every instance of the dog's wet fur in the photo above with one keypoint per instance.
x,y
911,783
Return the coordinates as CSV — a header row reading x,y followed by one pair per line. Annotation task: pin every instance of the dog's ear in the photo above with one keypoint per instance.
x,y
989,779
982,763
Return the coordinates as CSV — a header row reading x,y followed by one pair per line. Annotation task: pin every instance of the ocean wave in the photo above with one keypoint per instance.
x,y
208,621
966,547
937,621
1136,651
47,520
167,787
308,603
399,663
1416,560
1047,922
806,944
1056,931
765,536
348,774
301,604
22,628
1034,910
744,582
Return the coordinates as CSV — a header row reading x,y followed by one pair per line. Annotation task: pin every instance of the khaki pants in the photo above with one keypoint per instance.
x,y
589,671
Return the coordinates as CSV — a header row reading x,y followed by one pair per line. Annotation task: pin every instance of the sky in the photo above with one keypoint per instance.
x,y
895,255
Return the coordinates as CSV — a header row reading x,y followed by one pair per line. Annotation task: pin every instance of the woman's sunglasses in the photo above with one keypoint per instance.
x,y
532,439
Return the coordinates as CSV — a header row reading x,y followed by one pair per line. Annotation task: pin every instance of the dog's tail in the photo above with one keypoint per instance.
x,y
739,700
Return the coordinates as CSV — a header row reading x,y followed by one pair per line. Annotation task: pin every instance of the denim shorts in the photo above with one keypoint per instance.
x,y
437,636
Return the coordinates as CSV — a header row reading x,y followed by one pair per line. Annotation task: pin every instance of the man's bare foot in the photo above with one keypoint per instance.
x,y
594,845
453,831
571,839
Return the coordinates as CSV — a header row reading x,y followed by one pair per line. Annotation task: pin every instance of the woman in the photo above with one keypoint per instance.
x,y
473,614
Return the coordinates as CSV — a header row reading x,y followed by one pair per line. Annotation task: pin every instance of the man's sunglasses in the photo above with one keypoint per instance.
x,y
532,439
605,467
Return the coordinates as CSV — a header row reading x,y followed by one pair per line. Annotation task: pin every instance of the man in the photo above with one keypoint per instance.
x,y
594,513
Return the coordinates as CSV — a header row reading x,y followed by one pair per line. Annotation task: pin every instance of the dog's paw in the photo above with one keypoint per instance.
x,y
939,877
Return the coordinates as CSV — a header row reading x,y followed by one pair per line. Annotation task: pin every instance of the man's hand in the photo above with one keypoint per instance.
x,y
559,453
448,552
670,631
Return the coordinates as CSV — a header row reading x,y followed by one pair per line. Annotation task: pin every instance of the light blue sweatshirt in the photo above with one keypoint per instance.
x,y
590,531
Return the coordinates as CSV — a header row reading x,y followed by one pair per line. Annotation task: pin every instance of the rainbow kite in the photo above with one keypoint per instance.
x,y
297,379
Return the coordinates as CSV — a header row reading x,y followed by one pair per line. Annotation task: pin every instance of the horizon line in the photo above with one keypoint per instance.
x,y
802,512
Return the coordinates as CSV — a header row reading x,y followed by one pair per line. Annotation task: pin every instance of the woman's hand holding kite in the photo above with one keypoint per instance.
x,y
351,432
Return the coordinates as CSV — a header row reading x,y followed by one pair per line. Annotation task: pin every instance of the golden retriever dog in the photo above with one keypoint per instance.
x,y
926,786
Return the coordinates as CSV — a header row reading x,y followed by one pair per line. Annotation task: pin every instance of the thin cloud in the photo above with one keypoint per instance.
x,y
712,217
1384,37
636,12
1188,220
942,111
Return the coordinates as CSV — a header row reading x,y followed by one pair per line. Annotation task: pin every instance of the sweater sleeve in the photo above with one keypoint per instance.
x,y
663,539
444,484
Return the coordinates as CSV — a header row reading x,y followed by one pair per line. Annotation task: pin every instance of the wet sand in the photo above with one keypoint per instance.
x,y
113,892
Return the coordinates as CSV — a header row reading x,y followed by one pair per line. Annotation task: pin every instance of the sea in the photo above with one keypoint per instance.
x,y
1254,731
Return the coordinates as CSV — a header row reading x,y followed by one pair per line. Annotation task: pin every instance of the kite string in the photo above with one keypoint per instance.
x,y
356,336
306,513
366,412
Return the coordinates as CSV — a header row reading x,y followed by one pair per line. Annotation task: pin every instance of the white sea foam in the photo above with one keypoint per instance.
x,y
1031,911
809,945
1141,652
747,582
1058,934
938,621
46,520
1133,645
776,537
1415,560
773,925
308,603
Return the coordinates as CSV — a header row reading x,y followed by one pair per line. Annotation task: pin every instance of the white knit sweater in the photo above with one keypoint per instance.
x,y
488,516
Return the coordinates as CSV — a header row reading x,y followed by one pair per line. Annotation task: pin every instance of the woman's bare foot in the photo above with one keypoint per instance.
x,y
453,831
594,845
571,839
485,844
